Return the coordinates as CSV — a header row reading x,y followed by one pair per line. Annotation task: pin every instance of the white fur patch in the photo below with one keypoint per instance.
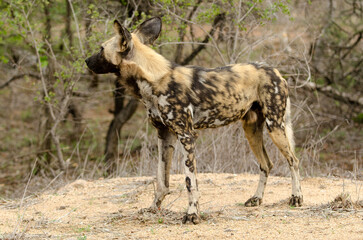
x,y
202,76
261,185
190,108
162,100
148,99
199,115
170,115
276,88
268,122
145,89
218,122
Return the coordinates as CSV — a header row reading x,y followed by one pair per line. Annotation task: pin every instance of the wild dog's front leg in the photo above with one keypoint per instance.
x,y
192,215
166,149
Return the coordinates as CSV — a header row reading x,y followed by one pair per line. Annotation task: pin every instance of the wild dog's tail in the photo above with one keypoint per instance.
x,y
288,126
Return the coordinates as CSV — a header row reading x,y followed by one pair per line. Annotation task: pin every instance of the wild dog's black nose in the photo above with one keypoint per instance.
x,y
87,60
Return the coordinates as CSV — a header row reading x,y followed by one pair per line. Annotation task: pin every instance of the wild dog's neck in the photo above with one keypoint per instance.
x,y
152,63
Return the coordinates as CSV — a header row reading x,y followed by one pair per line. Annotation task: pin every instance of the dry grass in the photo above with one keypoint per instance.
x,y
115,208
343,202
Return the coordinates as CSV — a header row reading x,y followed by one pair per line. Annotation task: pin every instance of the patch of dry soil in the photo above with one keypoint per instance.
x,y
110,209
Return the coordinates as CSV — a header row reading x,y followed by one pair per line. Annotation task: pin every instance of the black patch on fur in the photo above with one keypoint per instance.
x,y
126,54
188,183
188,163
162,129
259,66
256,107
203,93
123,32
131,82
264,171
173,65
174,87
217,69
221,69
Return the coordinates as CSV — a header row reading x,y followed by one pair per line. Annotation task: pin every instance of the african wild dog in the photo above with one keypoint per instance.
x,y
181,99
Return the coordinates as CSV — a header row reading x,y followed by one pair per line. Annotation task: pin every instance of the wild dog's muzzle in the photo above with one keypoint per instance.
x,y
99,65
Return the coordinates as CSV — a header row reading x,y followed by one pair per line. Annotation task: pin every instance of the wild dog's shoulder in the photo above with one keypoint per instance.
x,y
176,81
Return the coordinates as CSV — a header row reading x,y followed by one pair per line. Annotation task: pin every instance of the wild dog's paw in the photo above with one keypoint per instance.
x,y
253,202
296,201
149,210
193,218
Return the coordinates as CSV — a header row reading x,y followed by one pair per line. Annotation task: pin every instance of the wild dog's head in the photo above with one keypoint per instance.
x,y
119,47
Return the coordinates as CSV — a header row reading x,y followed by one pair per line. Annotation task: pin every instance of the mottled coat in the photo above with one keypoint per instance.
x,y
181,99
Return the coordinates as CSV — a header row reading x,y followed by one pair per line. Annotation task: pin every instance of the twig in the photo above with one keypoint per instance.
x,y
180,48
236,34
329,91
176,43
39,64
77,27
19,76
189,21
53,180
217,20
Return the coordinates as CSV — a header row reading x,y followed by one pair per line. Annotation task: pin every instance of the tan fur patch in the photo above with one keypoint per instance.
x,y
148,60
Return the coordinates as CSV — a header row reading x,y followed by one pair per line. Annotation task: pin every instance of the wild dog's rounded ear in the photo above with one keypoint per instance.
x,y
149,30
120,30
117,27
124,34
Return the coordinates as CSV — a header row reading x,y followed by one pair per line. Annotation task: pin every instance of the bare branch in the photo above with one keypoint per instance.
x,y
219,18
77,27
329,91
19,76
200,27
180,48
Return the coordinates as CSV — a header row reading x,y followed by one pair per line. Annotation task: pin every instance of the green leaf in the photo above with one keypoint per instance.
x,y
44,61
4,59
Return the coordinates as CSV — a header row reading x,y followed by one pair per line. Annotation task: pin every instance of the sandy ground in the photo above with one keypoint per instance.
x,y
110,209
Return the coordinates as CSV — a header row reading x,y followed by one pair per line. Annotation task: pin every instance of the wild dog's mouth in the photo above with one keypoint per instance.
x,y
99,65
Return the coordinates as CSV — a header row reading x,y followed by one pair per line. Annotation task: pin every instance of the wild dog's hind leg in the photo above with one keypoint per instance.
x,y
275,101
166,143
280,131
278,136
188,142
253,127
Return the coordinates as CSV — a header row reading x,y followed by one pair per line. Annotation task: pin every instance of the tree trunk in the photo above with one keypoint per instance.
x,y
68,20
121,115
46,145
181,31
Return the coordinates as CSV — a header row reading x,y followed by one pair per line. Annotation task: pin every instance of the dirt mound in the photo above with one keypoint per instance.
x,y
117,209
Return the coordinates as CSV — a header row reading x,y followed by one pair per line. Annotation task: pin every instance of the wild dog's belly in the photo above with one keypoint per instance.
x,y
212,118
